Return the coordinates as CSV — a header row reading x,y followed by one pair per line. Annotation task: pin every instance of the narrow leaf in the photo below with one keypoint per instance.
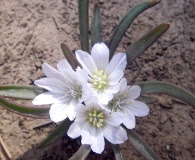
x,y
141,146
30,111
84,24
168,89
147,99
70,56
58,133
126,22
134,50
20,91
117,153
82,153
96,26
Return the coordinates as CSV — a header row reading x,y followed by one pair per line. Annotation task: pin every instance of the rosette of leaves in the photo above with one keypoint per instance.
x,y
27,92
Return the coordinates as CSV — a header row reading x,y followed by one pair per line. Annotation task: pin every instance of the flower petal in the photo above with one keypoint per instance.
x,y
100,54
82,75
118,62
86,61
103,97
50,72
114,119
133,92
70,111
86,134
112,89
74,131
98,143
52,85
63,65
115,76
139,109
47,98
123,85
58,112
129,118
115,135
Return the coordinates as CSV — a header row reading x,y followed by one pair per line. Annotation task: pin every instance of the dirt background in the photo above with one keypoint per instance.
x,y
31,33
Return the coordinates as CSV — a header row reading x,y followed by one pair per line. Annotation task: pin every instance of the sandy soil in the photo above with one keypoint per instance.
x,y
31,33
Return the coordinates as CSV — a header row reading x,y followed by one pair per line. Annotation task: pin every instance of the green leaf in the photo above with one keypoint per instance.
x,y
126,22
20,91
58,133
82,153
70,56
168,89
141,146
147,99
30,111
84,24
117,153
96,26
135,49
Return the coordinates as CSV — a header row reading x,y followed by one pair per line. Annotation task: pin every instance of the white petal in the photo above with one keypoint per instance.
x,y
58,112
133,92
123,85
115,135
47,98
103,97
70,111
63,65
86,61
74,130
118,62
114,119
86,134
82,75
87,93
129,119
100,54
51,84
115,77
98,143
139,109
50,72
112,89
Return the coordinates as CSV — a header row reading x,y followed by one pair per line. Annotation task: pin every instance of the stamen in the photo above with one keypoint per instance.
x,y
96,118
99,80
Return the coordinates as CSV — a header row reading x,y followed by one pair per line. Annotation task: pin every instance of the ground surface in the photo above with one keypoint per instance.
x,y
31,33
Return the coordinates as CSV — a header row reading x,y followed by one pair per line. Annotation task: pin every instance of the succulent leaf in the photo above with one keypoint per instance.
x,y
135,49
117,152
70,56
29,111
82,153
141,146
84,24
96,26
20,91
168,89
58,133
126,22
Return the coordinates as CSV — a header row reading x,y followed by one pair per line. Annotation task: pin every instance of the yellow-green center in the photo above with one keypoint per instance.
x,y
99,80
96,118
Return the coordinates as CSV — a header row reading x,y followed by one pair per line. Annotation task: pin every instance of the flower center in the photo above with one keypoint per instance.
x,y
100,80
116,104
75,92
96,118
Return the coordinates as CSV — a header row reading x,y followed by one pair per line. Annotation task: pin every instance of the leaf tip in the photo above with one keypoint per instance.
x,y
154,1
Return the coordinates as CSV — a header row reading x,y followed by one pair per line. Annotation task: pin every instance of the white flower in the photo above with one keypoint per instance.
x,y
104,76
93,123
124,102
66,89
